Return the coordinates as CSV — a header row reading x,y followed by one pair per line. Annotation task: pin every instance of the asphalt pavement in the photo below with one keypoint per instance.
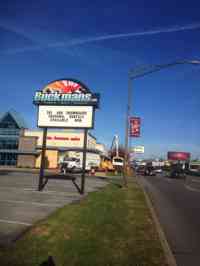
x,y
21,205
177,204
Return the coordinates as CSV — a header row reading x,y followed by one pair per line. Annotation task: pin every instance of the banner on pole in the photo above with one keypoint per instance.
x,y
135,123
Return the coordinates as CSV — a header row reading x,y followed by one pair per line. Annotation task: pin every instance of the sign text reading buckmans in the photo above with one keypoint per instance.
x,y
66,92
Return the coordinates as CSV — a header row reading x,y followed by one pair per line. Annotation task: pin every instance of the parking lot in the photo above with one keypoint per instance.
x,y
21,205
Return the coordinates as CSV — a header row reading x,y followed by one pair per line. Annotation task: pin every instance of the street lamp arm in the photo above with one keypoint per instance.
x,y
145,70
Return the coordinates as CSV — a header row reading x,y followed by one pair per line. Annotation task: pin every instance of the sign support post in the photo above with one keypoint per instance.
x,y
84,161
42,164
65,103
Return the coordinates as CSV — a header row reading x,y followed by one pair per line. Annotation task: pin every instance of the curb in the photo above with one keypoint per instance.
x,y
171,261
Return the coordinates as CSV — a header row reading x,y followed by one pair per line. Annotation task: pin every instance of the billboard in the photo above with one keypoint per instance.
x,y
135,123
178,156
65,116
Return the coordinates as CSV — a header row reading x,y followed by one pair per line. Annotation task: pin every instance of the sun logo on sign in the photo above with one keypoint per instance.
x,y
64,87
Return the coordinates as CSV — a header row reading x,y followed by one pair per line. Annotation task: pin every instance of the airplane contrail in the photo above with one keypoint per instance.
x,y
83,41
135,34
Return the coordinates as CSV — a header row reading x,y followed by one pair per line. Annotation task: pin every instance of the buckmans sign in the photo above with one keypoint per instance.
x,y
66,92
66,103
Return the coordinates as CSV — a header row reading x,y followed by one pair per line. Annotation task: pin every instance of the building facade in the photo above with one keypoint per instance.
x,y
21,147
59,144
12,126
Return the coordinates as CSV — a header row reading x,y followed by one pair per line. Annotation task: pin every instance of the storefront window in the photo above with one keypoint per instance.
x,y
10,127
8,159
8,144
10,131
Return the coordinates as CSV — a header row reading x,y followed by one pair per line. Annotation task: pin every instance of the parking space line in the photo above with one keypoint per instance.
x,y
12,188
61,193
31,203
14,222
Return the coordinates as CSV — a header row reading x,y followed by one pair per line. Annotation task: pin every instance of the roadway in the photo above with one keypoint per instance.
x,y
177,204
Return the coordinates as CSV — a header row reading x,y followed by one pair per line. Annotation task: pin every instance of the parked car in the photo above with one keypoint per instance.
x,y
177,171
150,171
70,165
158,170
141,169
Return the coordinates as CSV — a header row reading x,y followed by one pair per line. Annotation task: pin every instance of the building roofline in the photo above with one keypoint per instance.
x,y
16,116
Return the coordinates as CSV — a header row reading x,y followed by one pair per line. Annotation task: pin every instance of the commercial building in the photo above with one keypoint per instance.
x,y
102,149
20,146
60,144
12,126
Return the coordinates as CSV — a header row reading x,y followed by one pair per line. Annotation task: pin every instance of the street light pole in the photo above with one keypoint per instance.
x,y
137,73
127,130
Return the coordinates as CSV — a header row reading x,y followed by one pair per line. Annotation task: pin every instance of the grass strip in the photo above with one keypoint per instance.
x,y
111,227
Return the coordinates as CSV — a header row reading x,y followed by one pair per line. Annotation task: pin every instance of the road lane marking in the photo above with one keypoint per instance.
x,y
191,188
14,222
195,180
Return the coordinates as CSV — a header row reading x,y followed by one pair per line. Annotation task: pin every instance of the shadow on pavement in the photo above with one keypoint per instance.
x,y
61,176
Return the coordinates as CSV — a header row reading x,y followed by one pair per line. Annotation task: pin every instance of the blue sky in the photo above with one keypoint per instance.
x,y
98,42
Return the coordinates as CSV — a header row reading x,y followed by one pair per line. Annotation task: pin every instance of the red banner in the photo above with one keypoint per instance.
x,y
135,123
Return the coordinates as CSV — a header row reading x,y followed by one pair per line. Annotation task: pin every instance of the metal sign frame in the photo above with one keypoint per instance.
x,y
94,104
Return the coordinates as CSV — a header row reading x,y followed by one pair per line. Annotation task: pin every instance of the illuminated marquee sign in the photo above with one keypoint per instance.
x,y
65,116
65,103
66,92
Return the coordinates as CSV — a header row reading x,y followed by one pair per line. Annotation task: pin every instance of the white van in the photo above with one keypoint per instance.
x,y
70,164
75,163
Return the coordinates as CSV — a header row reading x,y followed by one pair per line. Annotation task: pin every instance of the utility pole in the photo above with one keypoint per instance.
x,y
84,161
127,131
